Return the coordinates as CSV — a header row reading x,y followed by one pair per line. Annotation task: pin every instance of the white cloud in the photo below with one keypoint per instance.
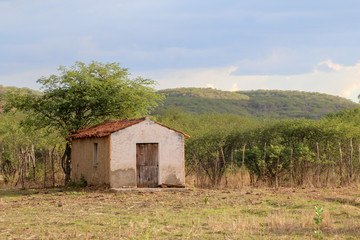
x,y
328,66
342,80
279,61
210,85
234,87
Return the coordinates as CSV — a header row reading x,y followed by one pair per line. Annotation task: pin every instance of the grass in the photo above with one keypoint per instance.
x,y
226,214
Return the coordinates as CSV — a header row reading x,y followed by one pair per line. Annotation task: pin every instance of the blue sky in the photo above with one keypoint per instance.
x,y
229,45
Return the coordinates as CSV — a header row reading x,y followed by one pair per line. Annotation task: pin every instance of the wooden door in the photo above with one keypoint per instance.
x,y
147,164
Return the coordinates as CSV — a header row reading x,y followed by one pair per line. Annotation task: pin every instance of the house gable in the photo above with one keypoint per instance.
x,y
123,153
109,126
124,138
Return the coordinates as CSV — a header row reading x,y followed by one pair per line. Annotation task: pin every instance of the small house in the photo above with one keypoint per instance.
x,y
129,153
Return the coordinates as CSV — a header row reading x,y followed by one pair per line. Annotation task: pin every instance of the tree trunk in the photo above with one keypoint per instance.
x,y
277,170
328,165
47,156
318,166
21,168
223,157
232,157
1,152
340,166
351,161
262,167
197,167
66,162
242,166
292,168
33,161
53,166
216,167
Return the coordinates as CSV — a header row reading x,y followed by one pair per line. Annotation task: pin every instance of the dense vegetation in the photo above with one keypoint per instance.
x,y
203,93
276,152
27,154
260,103
4,89
78,97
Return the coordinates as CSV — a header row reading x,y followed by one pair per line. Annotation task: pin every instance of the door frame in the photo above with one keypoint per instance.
x,y
147,168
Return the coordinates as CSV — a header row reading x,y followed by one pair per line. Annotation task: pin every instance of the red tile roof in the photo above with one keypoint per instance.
x,y
105,129
109,126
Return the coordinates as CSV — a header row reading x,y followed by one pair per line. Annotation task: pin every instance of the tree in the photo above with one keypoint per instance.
x,y
83,95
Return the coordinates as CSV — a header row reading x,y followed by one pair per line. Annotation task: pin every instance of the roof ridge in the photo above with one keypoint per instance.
x,y
133,119
112,125
123,120
108,126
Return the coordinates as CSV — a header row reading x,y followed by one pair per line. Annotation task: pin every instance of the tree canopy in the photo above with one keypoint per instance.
x,y
83,95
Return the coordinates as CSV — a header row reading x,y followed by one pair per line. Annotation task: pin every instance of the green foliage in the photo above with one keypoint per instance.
x,y
77,185
281,149
347,117
213,138
318,215
254,160
295,104
83,95
4,90
81,183
203,93
206,199
261,103
7,167
23,147
262,229
205,105
275,149
317,221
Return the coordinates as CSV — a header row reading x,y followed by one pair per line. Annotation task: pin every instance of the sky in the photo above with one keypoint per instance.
x,y
229,45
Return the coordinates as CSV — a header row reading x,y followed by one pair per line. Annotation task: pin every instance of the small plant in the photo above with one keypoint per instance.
x,y
317,221
206,199
82,181
6,179
272,203
262,230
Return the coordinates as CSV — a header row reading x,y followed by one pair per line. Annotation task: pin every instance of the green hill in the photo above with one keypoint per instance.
x,y
259,103
4,89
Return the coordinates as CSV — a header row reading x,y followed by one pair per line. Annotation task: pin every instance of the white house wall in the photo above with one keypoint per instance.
x,y
123,154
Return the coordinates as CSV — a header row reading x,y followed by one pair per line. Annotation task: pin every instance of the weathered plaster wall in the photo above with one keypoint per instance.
x,y
123,154
82,156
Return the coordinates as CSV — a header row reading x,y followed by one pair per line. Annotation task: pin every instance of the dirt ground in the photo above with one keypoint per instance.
x,y
249,213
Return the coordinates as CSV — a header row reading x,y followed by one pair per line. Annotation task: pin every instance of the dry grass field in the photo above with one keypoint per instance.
x,y
250,213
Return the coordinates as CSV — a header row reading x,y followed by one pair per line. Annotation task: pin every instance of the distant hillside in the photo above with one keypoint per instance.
x,y
259,103
204,93
4,89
